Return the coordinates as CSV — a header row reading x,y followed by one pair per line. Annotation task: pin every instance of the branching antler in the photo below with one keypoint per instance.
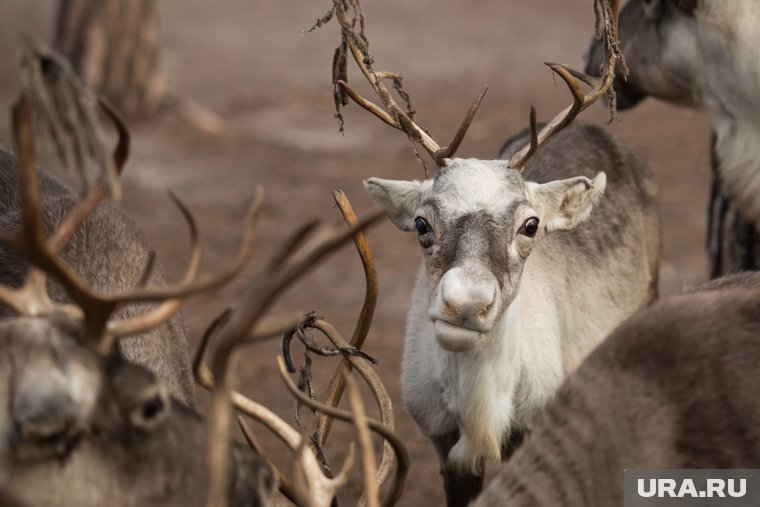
x,y
336,385
306,483
606,22
68,112
389,435
94,311
354,41
308,246
322,489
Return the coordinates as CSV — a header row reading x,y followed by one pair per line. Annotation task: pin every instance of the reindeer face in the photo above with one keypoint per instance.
x,y
477,223
659,42
85,430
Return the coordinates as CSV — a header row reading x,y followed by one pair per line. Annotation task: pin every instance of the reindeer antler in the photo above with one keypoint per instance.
x,y
306,247
92,310
306,484
606,22
390,113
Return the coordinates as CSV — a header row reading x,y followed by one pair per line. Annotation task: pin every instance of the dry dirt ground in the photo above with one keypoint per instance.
x,y
250,62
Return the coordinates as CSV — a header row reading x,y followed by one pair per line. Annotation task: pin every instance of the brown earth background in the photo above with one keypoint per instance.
x,y
250,62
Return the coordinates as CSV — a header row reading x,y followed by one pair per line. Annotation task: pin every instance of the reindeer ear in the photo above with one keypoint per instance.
x,y
399,199
564,204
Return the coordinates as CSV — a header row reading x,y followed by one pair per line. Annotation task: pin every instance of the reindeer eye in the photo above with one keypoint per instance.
x,y
530,227
422,226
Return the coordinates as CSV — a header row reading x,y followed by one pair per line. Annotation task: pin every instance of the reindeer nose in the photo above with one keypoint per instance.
x,y
466,297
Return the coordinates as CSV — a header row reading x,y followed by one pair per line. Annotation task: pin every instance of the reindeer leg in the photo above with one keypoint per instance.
x,y
743,244
716,214
460,487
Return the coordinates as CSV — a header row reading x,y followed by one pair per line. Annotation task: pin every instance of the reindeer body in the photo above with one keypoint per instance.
x,y
675,386
703,55
555,299
109,252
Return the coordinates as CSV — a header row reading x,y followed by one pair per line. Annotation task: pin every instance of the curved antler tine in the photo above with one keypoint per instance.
x,y
607,23
121,152
165,310
578,98
369,458
368,105
96,194
452,148
533,146
370,376
30,241
291,245
336,385
341,479
283,484
196,240
589,80
389,435
254,304
172,296
30,198
205,378
202,374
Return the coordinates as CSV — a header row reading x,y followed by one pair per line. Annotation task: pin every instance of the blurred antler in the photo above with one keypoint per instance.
x,y
607,18
390,112
366,370
363,364
94,311
68,112
337,383
378,427
322,489
305,249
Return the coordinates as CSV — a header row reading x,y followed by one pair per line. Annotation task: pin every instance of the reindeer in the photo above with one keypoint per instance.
x,y
675,386
704,55
85,427
81,425
526,265
107,251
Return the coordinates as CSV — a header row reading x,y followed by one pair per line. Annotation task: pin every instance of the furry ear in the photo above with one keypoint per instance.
x,y
564,204
399,199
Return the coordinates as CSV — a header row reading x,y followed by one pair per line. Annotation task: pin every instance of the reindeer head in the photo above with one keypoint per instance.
x,y
477,220
660,43
83,430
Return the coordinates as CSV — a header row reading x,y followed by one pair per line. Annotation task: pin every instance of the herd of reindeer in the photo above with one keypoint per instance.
x,y
535,336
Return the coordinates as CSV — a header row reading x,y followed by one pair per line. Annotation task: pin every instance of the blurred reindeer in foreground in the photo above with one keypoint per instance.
x,y
83,426
103,247
86,427
529,260
705,55
675,386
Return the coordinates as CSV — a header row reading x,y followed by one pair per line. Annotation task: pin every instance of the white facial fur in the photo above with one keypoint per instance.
x,y
477,211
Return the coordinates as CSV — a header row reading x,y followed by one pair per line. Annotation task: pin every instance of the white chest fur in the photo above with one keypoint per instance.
x,y
486,392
